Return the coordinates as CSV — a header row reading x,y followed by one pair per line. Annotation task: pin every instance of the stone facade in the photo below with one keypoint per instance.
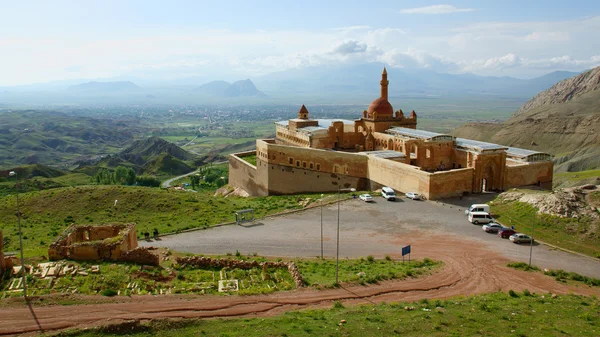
x,y
87,242
382,148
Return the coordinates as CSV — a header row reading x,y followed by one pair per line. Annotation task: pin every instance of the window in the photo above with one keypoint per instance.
x,y
291,161
318,167
428,153
298,163
304,164
311,166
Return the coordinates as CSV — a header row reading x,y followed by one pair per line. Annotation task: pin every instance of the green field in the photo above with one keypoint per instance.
x,y
497,314
47,213
580,235
568,179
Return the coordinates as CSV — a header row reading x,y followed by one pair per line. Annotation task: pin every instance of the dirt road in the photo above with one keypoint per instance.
x,y
470,268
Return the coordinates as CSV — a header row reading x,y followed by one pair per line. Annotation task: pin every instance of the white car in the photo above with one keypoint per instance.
x,y
520,238
492,227
414,196
366,197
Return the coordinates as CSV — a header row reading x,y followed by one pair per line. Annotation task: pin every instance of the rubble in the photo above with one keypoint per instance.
x,y
201,261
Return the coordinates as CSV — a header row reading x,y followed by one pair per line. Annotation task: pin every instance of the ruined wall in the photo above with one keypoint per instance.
x,y
399,176
104,242
244,175
443,184
529,174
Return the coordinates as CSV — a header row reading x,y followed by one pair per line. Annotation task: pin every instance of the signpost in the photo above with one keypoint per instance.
x,y
406,250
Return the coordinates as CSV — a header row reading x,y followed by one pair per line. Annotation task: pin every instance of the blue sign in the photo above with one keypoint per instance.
x,y
405,250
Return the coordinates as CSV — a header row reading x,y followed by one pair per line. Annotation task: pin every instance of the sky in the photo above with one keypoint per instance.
x,y
43,41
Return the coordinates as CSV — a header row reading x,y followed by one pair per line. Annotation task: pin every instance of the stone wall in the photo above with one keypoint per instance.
x,y
103,242
444,184
2,262
522,174
203,262
399,176
245,175
140,255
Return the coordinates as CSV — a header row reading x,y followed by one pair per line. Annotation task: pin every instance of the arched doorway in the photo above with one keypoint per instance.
x,y
487,178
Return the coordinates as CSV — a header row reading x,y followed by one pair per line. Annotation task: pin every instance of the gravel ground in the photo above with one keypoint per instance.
x,y
379,228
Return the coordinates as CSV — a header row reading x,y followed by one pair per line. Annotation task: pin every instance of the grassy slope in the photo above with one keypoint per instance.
x,y
580,235
46,213
570,179
497,314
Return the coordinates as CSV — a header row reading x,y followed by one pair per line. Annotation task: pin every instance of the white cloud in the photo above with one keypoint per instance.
x,y
350,47
436,9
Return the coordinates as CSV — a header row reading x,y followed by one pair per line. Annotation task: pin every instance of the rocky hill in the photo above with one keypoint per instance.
x,y
244,88
565,90
563,120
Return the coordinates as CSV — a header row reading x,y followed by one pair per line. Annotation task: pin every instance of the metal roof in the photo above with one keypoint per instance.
x,y
527,155
323,123
386,154
420,134
477,145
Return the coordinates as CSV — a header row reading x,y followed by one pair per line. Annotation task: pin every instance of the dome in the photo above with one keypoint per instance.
x,y
382,106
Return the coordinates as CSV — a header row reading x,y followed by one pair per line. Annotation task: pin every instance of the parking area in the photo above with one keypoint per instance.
x,y
433,229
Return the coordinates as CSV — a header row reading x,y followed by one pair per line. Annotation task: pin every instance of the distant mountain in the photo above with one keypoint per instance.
x,y
563,120
244,88
104,86
363,81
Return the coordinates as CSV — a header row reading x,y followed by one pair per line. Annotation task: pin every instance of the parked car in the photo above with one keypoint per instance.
x,y
478,208
506,232
480,218
414,196
492,227
388,193
520,238
366,197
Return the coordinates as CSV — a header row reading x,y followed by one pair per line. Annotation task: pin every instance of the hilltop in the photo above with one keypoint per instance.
x,y
152,155
244,88
563,120
105,86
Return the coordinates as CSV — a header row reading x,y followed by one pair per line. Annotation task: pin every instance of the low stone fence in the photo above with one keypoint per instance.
x,y
140,255
201,261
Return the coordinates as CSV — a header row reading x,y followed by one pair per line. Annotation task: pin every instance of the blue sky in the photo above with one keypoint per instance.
x,y
156,40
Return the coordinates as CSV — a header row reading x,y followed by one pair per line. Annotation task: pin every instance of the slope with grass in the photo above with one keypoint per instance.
x,y
46,213
497,314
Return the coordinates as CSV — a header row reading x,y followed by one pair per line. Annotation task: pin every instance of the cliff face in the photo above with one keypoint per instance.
x,y
563,120
565,90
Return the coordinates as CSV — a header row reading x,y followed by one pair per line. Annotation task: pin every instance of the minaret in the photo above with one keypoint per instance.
x,y
384,84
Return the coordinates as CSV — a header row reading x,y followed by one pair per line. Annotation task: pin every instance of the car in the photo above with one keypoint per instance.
x,y
492,227
366,197
506,232
388,193
414,196
520,238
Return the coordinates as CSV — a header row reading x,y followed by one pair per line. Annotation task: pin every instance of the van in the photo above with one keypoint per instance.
x,y
478,208
388,193
480,218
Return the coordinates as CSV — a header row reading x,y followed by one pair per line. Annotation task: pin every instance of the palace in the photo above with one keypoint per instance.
x,y
382,148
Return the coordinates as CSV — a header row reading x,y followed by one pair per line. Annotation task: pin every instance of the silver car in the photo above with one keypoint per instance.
x,y
520,238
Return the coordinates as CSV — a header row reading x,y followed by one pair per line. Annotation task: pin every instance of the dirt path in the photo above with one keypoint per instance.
x,y
469,269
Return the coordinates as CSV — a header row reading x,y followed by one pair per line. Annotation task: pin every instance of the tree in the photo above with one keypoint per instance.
x,y
195,181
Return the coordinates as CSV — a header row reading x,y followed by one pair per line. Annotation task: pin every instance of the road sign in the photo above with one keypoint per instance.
x,y
405,250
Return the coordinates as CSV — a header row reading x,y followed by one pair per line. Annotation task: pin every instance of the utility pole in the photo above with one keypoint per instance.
x,y
23,270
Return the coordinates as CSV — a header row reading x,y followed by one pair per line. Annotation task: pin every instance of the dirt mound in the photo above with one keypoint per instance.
x,y
227,191
567,203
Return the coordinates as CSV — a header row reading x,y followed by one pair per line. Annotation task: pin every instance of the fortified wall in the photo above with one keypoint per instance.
x,y
87,242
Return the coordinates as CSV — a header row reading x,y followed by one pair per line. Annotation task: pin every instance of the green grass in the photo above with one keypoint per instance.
x,y
250,159
47,213
322,273
559,274
580,235
118,278
575,178
497,314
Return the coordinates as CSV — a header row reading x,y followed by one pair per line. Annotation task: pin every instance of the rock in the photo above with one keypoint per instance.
x,y
343,321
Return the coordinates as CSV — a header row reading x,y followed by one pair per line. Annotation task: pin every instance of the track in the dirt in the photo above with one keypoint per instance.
x,y
468,269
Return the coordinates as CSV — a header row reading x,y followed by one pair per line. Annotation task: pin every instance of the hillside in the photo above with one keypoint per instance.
x,y
243,88
152,155
563,120
104,86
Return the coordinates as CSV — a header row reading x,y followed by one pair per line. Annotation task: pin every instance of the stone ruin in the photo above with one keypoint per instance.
x,y
200,261
110,242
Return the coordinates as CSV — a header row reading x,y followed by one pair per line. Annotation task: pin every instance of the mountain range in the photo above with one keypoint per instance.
x,y
344,84
563,120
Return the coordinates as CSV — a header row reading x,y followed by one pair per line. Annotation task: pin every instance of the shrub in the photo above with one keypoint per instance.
x,y
513,293
338,305
388,258
370,259
526,292
109,292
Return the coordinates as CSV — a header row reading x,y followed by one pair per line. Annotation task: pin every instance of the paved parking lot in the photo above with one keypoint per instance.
x,y
380,228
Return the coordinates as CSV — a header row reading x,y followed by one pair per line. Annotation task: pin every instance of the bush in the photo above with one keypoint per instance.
x,y
526,292
513,293
338,305
109,292
388,258
370,259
